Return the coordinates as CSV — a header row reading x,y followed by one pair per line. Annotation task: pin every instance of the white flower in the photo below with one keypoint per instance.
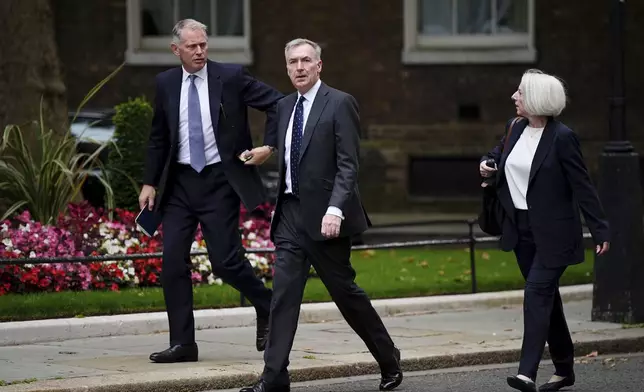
x,y
32,254
4,228
136,279
7,242
248,224
252,236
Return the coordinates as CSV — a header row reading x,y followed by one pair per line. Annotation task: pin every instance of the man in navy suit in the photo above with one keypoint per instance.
x,y
195,175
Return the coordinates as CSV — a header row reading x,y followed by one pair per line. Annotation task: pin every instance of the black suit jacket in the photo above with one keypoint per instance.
x,y
559,186
231,90
329,154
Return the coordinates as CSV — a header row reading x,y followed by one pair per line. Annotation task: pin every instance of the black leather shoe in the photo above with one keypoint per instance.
x,y
177,353
392,378
262,333
524,386
555,386
262,386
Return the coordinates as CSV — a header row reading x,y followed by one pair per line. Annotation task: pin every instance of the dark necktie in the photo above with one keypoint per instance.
x,y
296,144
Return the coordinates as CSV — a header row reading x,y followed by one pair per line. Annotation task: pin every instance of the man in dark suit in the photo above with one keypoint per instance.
x,y
318,210
194,175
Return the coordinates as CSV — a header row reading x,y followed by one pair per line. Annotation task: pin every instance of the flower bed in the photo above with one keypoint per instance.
x,y
85,231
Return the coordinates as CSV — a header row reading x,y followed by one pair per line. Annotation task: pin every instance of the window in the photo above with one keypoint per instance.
x,y
150,25
468,31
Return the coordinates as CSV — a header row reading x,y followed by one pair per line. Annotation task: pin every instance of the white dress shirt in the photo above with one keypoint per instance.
x,y
309,97
201,82
519,163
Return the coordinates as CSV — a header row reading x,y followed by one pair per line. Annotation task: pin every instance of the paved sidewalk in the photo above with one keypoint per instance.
x,y
447,338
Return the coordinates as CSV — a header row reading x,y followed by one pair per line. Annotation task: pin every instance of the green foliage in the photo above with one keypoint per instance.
x,y
45,174
132,120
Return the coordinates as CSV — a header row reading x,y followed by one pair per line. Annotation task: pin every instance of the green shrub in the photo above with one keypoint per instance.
x,y
44,176
133,120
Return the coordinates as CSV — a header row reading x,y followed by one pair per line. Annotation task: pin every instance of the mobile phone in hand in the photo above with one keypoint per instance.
x,y
245,156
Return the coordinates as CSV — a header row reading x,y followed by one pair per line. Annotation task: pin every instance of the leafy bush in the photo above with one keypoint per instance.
x,y
45,175
132,120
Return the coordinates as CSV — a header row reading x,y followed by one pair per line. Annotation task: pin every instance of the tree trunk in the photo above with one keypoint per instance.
x,y
30,66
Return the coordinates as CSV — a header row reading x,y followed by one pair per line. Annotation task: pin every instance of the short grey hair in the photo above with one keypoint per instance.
x,y
543,94
303,41
189,24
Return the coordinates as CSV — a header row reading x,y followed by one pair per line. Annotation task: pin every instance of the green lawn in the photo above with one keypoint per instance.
x,y
382,274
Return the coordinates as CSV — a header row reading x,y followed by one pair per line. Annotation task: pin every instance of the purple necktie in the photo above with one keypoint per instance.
x,y
195,133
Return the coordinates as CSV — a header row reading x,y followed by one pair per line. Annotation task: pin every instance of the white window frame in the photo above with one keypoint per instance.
x,y
156,50
463,49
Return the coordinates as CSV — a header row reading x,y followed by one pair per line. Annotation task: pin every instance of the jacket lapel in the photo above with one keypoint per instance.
x,y
547,137
517,130
174,99
285,116
214,95
319,103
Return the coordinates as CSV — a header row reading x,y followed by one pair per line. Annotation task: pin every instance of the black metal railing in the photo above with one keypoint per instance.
x,y
470,239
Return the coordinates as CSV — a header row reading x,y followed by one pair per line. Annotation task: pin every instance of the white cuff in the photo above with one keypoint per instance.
x,y
335,211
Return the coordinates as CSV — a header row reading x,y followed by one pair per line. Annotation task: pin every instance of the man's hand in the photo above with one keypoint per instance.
x,y
147,196
603,248
259,155
331,226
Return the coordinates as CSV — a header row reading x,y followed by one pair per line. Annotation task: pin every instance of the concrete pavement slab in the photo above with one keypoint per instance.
x,y
427,340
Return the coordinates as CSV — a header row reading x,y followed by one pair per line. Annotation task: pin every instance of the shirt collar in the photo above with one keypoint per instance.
x,y
202,73
310,95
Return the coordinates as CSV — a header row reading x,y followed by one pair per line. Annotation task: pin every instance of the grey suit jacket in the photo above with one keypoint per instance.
x,y
329,155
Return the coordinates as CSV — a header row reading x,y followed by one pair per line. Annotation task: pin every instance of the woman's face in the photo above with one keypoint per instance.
x,y
518,102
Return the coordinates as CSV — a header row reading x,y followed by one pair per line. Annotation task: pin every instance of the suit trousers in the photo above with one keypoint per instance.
x,y
295,253
207,199
543,315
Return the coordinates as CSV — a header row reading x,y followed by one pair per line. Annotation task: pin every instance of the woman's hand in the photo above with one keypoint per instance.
x,y
603,248
485,170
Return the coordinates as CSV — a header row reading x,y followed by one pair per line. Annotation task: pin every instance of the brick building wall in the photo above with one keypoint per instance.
x,y
407,110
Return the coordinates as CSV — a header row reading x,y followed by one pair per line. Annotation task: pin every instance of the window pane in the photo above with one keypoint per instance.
x,y
196,9
157,17
512,16
230,18
435,17
474,16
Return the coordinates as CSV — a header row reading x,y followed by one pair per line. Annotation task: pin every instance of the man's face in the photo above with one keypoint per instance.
x,y
303,67
192,49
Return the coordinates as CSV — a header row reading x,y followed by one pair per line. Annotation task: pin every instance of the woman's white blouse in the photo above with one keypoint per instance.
x,y
518,164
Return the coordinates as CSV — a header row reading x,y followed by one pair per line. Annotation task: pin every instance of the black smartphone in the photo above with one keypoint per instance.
x,y
148,221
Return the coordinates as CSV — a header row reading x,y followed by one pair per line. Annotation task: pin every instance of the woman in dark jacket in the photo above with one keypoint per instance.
x,y
542,183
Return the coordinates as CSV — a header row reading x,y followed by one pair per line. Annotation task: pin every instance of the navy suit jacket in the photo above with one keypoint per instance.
x,y
558,188
329,162
231,90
